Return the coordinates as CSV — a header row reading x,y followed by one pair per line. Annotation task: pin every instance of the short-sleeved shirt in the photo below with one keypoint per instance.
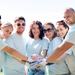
x,y
11,65
2,57
71,37
36,46
53,44
56,68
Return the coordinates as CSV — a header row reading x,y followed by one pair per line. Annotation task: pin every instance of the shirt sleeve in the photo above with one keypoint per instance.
x,y
2,44
71,38
56,42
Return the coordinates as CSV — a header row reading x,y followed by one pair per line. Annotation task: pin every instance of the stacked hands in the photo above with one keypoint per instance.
x,y
37,62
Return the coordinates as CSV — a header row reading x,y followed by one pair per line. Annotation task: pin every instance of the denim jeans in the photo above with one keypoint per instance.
x,y
36,72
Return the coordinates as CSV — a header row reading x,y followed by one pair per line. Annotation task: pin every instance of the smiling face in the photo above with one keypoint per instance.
x,y
61,31
7,31
20,26
35,31
69,16
49,33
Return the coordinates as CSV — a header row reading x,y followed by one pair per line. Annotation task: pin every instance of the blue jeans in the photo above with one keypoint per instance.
x,y
36,72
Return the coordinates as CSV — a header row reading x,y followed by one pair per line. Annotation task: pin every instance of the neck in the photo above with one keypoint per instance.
x,y
36,38
50,39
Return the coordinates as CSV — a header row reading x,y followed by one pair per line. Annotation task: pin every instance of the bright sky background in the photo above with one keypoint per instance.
x,y
43,10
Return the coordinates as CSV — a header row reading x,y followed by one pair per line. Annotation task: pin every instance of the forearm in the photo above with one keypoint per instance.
x,y
15,53
59,51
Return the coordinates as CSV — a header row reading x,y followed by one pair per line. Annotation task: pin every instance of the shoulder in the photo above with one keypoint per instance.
x,y
44,40
13,35
71,37
44,43
29,40
58,39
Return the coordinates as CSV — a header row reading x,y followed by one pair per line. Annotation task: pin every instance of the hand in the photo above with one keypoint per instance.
x,y
44,62
30,60
49,62
24,60
36,57
41,63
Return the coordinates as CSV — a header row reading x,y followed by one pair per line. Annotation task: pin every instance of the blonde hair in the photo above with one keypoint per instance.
x,y
7,25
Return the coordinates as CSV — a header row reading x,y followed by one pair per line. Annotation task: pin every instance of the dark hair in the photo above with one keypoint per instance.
x,y
63,23
53,28
40,28
0,17
0,22
20,18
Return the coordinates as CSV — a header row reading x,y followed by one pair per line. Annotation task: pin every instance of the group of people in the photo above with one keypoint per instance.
x,y
49,49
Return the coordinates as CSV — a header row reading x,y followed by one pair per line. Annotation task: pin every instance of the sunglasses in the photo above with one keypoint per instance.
x,y
23,24
48,30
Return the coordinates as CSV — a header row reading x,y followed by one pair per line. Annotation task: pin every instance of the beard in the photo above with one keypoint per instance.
x,y
20,30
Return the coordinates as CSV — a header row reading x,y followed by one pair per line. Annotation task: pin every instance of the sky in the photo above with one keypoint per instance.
x,y
43,10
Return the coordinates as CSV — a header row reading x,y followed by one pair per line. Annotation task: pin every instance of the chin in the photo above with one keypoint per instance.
x,y
70,23
19,32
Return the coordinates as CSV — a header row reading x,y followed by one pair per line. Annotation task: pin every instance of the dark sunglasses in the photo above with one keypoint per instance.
x,y
23,24
49,30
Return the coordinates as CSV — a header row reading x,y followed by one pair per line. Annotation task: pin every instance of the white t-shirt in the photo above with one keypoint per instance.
x,y
34,47
11,65
53,44
2,57
57,68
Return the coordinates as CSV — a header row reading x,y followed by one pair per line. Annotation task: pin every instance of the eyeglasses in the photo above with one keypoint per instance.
x,y
48,30
23,24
